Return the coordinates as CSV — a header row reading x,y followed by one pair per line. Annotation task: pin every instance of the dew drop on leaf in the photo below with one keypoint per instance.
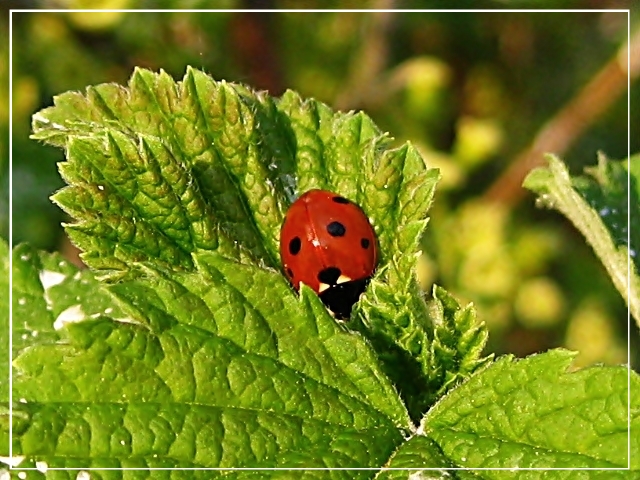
x,y
545,201
42,466
50,279
70,315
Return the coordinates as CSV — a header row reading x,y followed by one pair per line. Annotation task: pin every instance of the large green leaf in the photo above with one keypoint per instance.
x,y
532,413
160,171
198,369
207,369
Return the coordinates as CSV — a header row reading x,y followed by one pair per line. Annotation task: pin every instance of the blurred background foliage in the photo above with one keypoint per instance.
x,y
471,90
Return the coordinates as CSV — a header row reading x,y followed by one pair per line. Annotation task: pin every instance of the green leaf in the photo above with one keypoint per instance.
x,y
425,368
603,209
606,188
532,413
208,368
48,294
199,369
421,451
458,342
161,171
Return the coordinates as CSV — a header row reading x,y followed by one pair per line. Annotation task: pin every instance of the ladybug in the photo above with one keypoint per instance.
x,y
327,242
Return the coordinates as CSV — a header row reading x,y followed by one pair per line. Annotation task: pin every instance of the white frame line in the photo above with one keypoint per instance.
x,y
10,235
627,11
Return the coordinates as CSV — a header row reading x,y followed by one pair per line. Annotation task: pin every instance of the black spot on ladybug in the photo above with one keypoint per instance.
x,y
329,275
336,229
364,243
340,200
294,245
290,272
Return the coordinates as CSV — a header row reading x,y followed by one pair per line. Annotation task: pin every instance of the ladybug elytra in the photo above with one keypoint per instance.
x,y
327,242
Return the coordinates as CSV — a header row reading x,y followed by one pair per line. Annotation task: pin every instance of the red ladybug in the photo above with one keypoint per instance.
x,y
327,242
